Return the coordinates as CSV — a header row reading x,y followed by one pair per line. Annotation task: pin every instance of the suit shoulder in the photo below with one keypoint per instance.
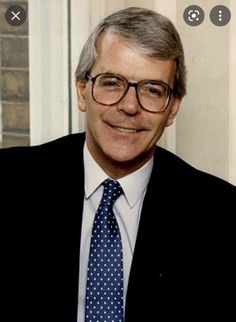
x,y
28,164
69,143
186,174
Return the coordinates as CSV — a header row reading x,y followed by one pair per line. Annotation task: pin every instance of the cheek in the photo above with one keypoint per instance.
x,y
158,127
159,123
93,113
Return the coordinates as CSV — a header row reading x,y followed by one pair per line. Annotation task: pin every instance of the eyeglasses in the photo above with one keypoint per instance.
x,y
109,89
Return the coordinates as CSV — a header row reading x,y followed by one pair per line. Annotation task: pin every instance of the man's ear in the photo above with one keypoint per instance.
x,y
173,111
80,88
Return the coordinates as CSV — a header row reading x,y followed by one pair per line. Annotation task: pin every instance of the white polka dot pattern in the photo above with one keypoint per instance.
x,y
104,292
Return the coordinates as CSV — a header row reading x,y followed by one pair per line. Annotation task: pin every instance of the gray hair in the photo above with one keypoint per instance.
x,y
151,33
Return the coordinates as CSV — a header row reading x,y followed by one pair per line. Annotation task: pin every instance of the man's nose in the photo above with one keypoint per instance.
x,y
129,103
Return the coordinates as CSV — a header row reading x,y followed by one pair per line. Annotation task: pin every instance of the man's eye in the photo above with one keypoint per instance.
x,y
154,90
111,82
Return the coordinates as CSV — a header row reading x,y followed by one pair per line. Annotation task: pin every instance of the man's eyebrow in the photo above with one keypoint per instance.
x,y
143,79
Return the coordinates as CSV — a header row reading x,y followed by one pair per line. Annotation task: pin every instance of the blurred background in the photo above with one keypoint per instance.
x,y
38,59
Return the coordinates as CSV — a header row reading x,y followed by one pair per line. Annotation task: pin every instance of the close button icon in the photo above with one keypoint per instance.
x,y
15,15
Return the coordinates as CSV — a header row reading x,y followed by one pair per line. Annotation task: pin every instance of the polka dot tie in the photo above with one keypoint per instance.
x,y
104,292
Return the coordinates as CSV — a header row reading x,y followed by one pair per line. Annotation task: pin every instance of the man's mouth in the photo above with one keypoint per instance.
x,y
125,129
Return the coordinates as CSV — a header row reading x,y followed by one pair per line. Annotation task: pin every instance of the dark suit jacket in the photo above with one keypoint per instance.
x,y
183,267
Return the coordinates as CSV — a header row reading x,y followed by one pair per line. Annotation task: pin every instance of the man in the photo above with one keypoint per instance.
x,y
169,253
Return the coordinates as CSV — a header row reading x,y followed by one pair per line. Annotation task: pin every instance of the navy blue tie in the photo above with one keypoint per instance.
x,y
104,292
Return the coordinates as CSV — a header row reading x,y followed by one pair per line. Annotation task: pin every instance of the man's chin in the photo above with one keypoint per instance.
x,y
129,158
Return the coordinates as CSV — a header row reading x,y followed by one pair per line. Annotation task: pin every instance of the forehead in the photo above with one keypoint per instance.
x,y
116,55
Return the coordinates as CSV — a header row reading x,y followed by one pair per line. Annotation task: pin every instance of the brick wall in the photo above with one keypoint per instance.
x,y
14,79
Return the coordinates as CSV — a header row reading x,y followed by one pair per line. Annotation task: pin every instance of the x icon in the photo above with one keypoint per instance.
x,y
15,15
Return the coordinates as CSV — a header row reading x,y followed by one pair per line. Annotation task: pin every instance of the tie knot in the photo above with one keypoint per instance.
x,y
112,190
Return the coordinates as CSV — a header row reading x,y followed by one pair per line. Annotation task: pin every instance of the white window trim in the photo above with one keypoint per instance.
x,y
48,62
80,30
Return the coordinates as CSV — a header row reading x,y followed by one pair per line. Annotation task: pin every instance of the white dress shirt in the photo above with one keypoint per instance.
x,y
127,210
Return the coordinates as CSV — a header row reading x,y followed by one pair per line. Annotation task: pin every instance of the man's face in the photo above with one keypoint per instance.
x,y
124,134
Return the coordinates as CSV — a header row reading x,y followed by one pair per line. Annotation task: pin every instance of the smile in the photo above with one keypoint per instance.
x,y
126,130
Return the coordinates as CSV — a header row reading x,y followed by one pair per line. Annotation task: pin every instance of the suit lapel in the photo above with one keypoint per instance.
x,y
67,231
148,282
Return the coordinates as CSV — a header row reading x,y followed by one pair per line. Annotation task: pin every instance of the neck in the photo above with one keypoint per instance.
x,y
118,169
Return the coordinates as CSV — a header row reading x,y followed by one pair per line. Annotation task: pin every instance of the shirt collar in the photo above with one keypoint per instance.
x,y
134,184
94,175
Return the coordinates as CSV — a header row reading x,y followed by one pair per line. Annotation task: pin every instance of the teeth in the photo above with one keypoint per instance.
x,y
121,129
